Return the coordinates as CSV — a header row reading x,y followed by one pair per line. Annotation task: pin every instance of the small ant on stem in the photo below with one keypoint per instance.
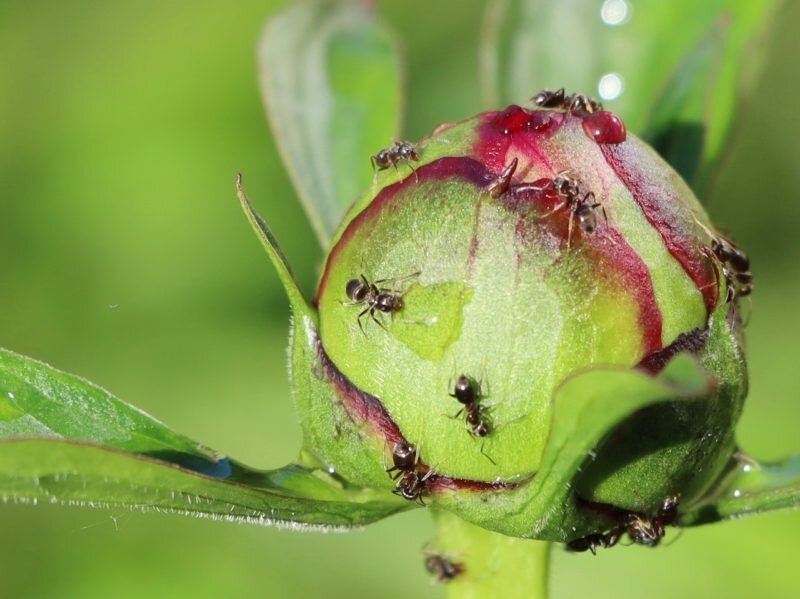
x,y
442,567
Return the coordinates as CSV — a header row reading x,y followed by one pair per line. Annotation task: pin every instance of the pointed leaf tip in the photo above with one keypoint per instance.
x,y
296,298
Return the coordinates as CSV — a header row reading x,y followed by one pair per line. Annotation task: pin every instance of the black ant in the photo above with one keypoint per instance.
x,y
412,481
735,265
475,420
573,104
581,205
399,151
377,299
547,98
442,567
582,105
641,529
466,393
595,540
650,531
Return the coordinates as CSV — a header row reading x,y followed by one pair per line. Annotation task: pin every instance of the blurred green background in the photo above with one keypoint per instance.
x,y
124,257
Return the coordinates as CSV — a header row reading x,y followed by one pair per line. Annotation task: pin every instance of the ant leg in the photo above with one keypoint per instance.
x,y
486,455
360,316
556,209
569,229
397,170
457,414
413,170
375,318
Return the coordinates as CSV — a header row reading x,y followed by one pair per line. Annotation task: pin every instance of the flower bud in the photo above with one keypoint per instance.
x,y
488,264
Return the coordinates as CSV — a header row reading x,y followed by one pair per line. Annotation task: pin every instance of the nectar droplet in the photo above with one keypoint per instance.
x,y
605,127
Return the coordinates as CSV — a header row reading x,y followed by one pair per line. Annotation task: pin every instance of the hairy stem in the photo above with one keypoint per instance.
x,y
494,565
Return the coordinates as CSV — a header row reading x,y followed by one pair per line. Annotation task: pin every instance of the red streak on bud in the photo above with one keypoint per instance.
x,y
625,268
361,407
692,342
612,258
458,167
659,207
605,127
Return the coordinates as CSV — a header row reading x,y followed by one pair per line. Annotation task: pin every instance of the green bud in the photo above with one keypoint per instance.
x,y
518,248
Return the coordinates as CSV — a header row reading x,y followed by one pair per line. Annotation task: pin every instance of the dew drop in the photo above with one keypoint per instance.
x,y
615,12
610,86
10,395
605,127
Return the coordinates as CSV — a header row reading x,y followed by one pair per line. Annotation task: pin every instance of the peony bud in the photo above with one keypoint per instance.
x,y
487,265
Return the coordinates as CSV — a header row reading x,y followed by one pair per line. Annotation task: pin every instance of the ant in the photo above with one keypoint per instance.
x,y
573,104
466,393
475,420
641,529
735,265
377,299
442,567
582,105
650,531
593,541
412,480
547,98
400,150
581,205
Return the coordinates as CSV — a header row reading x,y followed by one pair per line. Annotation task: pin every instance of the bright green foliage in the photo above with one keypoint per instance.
x,y
67,441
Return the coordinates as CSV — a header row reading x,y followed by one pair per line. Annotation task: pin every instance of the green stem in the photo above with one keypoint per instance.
x,y
494,565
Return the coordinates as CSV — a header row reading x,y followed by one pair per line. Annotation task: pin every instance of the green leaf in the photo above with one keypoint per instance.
x,y
686,67
74,473
331,82
587,407
749,487
298,301
65,440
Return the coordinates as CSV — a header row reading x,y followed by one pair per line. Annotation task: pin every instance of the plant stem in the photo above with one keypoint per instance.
x,y
494,565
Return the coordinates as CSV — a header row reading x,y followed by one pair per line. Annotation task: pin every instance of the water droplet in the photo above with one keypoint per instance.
x,y
331,470
737,493
605,127
615,12
747,468
10,395
610,86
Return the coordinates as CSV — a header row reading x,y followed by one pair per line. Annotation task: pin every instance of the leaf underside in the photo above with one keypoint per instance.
x,y
748,488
